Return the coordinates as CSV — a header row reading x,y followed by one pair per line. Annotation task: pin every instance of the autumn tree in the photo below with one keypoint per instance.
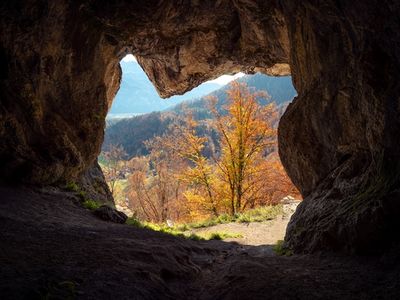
x,y
188,169
198,173
113,166
245,132
155,193
277,183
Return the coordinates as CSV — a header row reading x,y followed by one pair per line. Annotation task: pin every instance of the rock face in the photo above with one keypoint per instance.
x,y
339,139
56,83
110,214
60,68
92,183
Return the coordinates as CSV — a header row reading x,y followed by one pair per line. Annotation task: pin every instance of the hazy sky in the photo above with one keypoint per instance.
x,y
222,80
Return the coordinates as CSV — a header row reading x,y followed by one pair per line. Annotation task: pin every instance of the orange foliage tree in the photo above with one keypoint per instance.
x,y
245,132
155,193
276,184
178,181
198,172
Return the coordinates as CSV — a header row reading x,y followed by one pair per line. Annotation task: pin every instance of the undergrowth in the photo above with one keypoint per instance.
x,y
162,228
259,214
90,204
85,201
179,232
72,186
223,235
281,250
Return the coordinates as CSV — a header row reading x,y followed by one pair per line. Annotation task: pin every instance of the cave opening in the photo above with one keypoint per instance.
x,y
163,159
338,141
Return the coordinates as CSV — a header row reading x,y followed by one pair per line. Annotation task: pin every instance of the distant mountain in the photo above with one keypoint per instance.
x,y
138,95
280,89
131,133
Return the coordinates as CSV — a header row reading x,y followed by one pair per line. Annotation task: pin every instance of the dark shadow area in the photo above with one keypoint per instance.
x,y
52,248
338,142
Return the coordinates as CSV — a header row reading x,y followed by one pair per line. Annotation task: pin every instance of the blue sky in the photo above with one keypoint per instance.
x,y
222,80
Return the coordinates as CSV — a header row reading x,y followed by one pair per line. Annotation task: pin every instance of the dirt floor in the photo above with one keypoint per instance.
x,y
259,234
255,233
51,248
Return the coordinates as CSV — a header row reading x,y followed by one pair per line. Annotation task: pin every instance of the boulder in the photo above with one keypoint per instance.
x,y
109,214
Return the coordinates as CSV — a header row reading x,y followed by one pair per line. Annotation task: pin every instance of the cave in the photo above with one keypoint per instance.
x,y
339,139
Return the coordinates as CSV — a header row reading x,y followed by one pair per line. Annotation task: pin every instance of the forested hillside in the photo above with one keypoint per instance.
x,y
280,90
185,165
131,133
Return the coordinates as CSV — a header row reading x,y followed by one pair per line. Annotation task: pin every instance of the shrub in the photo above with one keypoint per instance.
x,y
90,204
72,186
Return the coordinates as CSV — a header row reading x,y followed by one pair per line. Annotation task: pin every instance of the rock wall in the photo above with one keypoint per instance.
x,y
60,68
339,140
59,74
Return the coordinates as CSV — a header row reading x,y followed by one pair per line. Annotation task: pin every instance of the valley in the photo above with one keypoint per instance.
x,y
174,164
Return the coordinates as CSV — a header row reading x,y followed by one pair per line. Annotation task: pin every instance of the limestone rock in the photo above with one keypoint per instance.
x,y
339,139
60,68
110,214
92,183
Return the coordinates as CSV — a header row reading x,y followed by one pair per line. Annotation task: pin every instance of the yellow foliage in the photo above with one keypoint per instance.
x,y
246,132
178,181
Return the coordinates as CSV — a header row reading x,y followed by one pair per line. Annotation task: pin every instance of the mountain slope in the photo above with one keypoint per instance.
x,y
280,89
131,133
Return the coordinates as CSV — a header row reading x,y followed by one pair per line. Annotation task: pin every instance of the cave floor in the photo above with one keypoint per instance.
x,y
51,248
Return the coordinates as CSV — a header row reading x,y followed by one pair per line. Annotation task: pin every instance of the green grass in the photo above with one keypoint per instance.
x,y
85,201
90,204
182,227
223,235
280,249
171,230
194,237
259,214
72,186
161,228
179,231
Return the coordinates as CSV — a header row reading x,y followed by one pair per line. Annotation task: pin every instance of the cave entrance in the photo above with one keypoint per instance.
x,y
174,164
